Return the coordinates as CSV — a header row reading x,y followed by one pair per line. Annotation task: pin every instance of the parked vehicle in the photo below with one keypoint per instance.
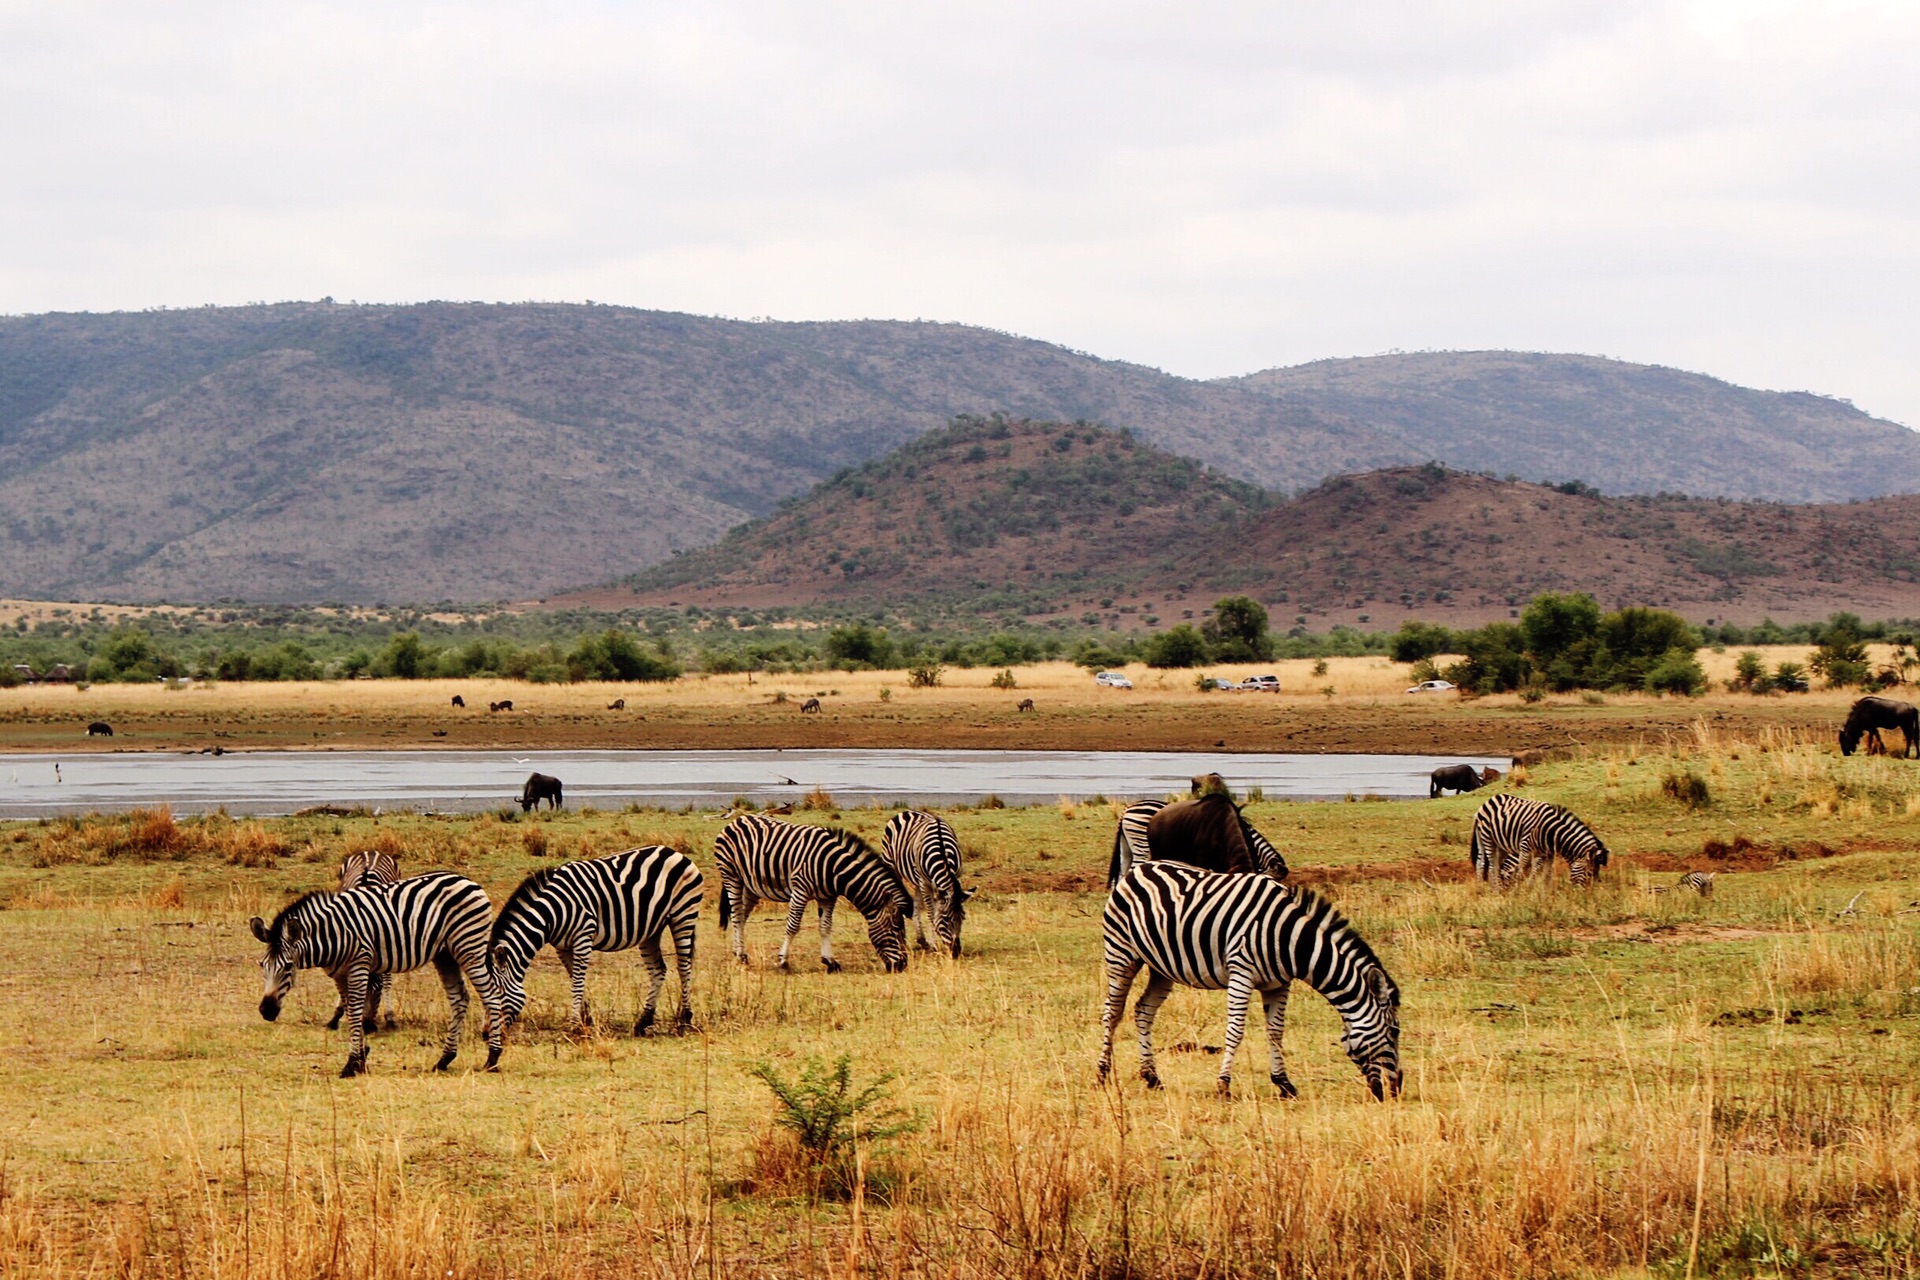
x,y
1431,686
1261,684
1113,680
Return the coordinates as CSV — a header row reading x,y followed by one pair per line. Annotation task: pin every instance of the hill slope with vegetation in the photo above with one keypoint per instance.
x,y
316,452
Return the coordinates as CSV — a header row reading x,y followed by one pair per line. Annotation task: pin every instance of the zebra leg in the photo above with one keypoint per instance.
x,y
923,894
376,988
456,986
826,937
575,958
1119,981
657,974
1275,1002
796,907
356,1004
743,904
340,983
1155,995
1239,992
479,971
683,959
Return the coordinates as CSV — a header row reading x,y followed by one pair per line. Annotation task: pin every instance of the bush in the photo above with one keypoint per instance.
x,y
925,675
1005,680
1687,788
1677,672
1420,641
825,1114
857,647
1181,647
615,655
1750,674
1790,677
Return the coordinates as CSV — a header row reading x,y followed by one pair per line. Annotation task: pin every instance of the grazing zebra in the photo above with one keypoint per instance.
x,y
369,866
622,900
785,861
1515,837
438,917
1130,845
1701,882
925,854
1244,932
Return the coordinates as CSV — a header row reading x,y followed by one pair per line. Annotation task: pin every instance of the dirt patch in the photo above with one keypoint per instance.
x,y
1430,870
1669,934
1741,854
1025,881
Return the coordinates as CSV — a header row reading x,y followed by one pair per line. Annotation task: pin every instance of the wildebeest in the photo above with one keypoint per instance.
x,y
1870,715
500,706
459,701
540,787
1459,777
810,706
1026,704
1207,831
618,704
99,729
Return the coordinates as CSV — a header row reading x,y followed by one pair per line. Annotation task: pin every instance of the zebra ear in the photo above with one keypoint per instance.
x,y
966,895
292,930
500,956
259,928
1380,984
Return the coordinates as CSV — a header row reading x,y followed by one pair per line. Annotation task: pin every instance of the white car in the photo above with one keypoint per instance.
x,y
1431,686
1113,680
1261,684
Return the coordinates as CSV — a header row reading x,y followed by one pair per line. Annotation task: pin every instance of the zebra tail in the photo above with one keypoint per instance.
x,y
1114,867
726,906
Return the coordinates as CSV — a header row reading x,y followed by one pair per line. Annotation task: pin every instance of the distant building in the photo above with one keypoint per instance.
x,y
25,672
58,673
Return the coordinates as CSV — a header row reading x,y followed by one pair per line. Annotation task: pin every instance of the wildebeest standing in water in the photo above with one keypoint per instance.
x,y
539,787
1459,777
1870,715
99,729
459,701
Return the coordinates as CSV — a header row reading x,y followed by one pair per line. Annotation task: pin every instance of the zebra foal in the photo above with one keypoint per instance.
x,y
366,867
438,918
761,858
629,899
923,851
1515,837
1246,933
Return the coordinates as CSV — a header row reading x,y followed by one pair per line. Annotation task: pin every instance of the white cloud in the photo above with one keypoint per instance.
x,y
1726,185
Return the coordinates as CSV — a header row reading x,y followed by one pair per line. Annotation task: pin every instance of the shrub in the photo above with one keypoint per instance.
x,y
1687,788
1841,659
858,646
1750,674
818,798
615,655
1320,666
1420,641
1005,680
1790,677
925,675
829,1118
1677,672
534,841
1180,647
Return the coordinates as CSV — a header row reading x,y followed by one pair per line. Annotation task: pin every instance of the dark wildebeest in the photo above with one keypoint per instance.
x,y
1459,777
539,787
618,704
811,705
1026,704
500,706
99,729
459,701
1870,715
1208,832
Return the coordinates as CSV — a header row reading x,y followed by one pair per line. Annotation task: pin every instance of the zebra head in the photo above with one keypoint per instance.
x,y
887,931
1372,1038
519,931
949,915
286,941
1584,869
510,979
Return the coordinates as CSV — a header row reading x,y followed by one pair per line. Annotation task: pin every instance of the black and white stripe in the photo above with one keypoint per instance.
x,y
1246,933
923,851
761,858
631,899
1701,882
438,918
1130,845
1514,838
370,867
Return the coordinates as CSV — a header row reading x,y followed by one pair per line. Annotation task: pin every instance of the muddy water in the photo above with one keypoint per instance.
x,y
450,781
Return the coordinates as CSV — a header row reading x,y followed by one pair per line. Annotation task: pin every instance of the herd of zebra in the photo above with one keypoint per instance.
x,y
1197,897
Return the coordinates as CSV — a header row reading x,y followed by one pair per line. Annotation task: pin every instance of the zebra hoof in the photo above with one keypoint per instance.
x,y
355,1066
1223,1087
446,1060
333,1023
1285,1086
493,1059
645,1021
1152,1078
370,1026
785,967
922,945
833,966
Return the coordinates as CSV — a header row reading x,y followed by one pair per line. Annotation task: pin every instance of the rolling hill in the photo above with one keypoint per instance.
x,y
444,451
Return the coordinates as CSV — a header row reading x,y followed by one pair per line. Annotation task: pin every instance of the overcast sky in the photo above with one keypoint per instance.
x,y
1728,186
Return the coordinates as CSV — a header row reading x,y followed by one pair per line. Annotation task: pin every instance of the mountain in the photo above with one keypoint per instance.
x,y
1040,520
450,451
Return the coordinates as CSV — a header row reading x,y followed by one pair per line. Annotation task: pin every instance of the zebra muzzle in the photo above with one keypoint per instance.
x,y
270,1008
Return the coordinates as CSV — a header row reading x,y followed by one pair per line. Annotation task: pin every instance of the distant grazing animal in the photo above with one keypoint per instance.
x,y
1701,882
1208,832
630,899
438,918
923,851
99,729
500,706
1026,704
618,704
459,701
1870,715
540,787
1244,933
760,858
1514,838
367,867
1459,777
810,707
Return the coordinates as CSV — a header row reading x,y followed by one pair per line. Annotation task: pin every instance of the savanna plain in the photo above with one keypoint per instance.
x,y
1605,1082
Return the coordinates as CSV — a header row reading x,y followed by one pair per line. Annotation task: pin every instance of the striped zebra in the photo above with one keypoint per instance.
x,y
437,917
1130,843
368,866
1245,933
923,851
631,899
1701,882
761,858
1514,838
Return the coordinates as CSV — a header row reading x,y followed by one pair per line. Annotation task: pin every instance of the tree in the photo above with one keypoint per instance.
x,y
1180,647
1237,631
852,648
1841,658
1494,659
403,657
1419,641
1561,630
615,655
1633,641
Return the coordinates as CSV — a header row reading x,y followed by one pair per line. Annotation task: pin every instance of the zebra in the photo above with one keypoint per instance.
x,y
1130,843
438,917
1701,882
925,854
1244,932
601,904
761,858
368,866
1514,837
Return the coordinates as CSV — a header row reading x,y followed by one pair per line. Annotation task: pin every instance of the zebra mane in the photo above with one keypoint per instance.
x,y
300,906
858,844
1338,924
521,901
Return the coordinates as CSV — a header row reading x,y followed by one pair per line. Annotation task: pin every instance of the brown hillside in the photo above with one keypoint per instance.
x,y
1435,543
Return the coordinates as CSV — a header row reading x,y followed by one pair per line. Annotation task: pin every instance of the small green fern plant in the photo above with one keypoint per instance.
x,y
824,1111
